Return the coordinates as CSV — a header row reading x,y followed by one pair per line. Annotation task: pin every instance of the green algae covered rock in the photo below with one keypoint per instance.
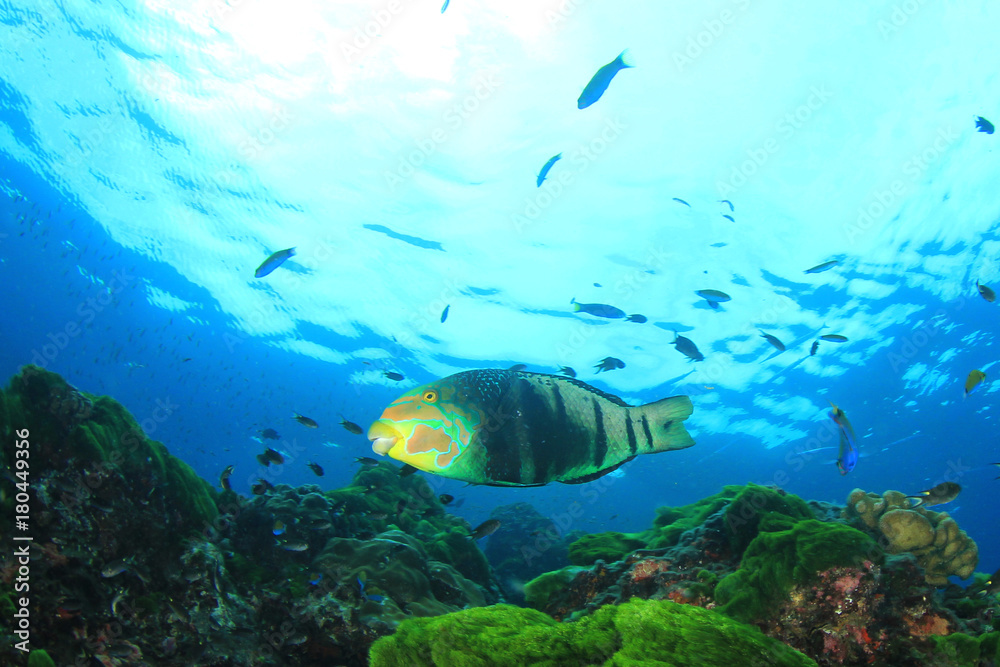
x,y
961,650
67,425
784,554
639,632
40,658
538,590
671,522
609,547
753,503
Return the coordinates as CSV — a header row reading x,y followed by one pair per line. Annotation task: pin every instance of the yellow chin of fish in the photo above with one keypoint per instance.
x,y
423,447
384,437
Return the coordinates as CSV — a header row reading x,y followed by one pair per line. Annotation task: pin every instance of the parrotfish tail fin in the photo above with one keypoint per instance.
x,y
659,426
625,58
917,501
576,306
291,252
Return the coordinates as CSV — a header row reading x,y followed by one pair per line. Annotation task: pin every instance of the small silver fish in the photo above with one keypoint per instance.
x,y
294,546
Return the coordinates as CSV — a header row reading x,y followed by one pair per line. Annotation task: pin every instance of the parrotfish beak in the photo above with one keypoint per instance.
x,y
383,437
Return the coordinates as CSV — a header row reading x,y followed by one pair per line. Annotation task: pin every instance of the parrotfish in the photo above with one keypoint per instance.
x,y
637,318
983,125
975,378
848,457
598,309
599,82
825,266
503,428
986,292
273,262
545,169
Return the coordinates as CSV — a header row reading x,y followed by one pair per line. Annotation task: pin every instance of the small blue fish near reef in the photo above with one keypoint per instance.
x,y
598,310
545,169
368,596
848,457
273,262
599,82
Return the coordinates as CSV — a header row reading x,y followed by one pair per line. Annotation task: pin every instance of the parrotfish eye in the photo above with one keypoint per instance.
x,y
430,396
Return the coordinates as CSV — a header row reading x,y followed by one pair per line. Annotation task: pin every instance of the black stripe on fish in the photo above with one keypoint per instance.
x,y
633,446
539,434
499,436
601,435
645,431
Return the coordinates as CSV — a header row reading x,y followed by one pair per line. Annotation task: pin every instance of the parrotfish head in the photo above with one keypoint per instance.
x,y
429,427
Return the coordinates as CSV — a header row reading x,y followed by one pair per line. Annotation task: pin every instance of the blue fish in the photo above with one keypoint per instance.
x,y
848,456
545,169
315,581
444,313
273,262
599,82
598,309
445,5
983,125
364,596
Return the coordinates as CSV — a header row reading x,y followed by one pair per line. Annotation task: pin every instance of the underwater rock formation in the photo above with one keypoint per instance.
x,y
525,545
941,548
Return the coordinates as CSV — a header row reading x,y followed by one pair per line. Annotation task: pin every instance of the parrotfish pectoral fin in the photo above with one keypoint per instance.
x,y
383,436
664,420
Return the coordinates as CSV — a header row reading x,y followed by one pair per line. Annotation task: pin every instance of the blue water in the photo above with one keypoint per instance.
x,y
128,261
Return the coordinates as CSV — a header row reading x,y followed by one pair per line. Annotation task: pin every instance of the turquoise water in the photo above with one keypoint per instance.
x,y
153,155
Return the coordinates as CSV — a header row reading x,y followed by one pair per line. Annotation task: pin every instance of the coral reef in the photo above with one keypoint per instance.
x,y
792,568
941,548
525,545
635,632
136,560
